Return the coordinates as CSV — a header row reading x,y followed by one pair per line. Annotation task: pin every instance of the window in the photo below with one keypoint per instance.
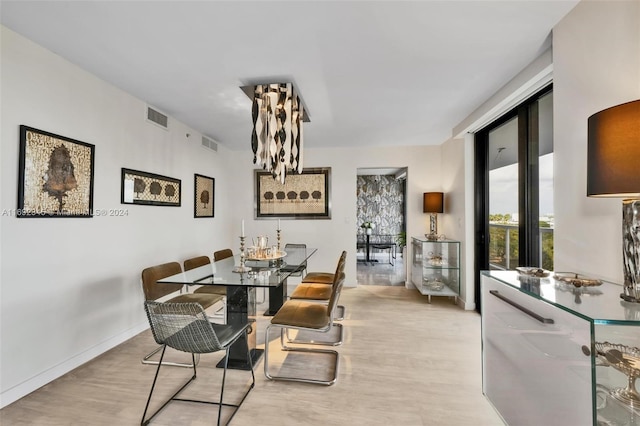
x,y
514,188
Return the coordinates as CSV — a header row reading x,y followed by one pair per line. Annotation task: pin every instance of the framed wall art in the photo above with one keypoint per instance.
x,y
149,189
302,196
55,175
204,196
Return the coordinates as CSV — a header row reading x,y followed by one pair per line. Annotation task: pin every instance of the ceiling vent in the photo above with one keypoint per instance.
x,y
157,117
209,143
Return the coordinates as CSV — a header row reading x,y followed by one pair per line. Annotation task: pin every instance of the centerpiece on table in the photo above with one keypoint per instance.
x,y
368,227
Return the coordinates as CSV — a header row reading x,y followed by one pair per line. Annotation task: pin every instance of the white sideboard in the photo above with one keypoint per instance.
x,y
544,351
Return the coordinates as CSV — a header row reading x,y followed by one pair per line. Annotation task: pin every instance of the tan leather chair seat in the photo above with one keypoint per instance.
x,y
204,299
298,313
319,277
312,291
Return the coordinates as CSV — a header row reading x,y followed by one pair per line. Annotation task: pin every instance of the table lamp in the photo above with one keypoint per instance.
x,y
613,170
433,203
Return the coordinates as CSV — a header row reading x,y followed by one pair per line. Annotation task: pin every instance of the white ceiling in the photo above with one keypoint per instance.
x,y
370,72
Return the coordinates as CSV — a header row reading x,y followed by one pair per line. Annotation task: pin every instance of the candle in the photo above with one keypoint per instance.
x,y
278,224
242,234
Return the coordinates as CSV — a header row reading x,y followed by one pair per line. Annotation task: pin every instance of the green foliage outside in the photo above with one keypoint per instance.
x,y
497,244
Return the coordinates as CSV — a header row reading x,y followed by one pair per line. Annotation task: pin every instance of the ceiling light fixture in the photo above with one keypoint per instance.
x,y
277,136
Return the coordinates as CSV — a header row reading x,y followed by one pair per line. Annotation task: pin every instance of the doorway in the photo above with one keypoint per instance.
x,y
381,226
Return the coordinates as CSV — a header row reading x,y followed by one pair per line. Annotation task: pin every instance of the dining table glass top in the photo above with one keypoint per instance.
x,y
262,273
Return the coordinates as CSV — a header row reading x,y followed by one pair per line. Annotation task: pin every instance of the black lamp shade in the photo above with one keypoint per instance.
x,y
613,159
433,202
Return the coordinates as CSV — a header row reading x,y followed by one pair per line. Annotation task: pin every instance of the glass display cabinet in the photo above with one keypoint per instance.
x,y
435,269
556,352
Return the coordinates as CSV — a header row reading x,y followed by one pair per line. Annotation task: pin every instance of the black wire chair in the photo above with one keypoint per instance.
x,y
185,327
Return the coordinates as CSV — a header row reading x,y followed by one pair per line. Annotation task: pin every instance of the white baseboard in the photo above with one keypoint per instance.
x,y
16,392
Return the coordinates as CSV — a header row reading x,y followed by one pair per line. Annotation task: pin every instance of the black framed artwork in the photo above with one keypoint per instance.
x,y
149,189
55,175
204,196
301,196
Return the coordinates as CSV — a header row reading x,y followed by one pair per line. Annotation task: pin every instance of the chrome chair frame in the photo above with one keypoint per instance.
x,y
342,261
330,307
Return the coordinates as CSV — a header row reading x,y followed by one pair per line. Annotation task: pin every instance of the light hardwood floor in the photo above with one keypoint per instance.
x,y
404,362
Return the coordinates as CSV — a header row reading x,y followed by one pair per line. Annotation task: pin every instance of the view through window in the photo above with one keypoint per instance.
x,y
505,187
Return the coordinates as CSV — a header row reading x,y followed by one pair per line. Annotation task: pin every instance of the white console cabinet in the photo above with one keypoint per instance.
x,y
544,351
435,270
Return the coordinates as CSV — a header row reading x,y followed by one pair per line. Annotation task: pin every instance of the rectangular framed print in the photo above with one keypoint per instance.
x,y
204,196
55,175
149,189
302,196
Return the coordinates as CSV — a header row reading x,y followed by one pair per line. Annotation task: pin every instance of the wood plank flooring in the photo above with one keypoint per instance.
x,y
403,362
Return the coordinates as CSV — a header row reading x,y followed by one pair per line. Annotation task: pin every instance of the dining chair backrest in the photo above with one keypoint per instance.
x,y
298,270
341,264
196,262
335,295
182,326
151,275
222,254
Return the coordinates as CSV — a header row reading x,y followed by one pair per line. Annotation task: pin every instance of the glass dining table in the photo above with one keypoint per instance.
x,y
240,287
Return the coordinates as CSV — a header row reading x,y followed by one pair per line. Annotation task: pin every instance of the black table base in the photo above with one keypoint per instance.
x,y
277,296
242,364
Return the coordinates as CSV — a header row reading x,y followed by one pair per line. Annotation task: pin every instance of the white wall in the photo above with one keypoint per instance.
x,y
456,182
70,288
339,233
596,55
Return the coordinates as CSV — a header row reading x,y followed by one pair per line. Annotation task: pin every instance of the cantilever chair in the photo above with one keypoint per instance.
x,y
324,277
316,291
154,291
185,327
305,316
319,292
196,262
297,270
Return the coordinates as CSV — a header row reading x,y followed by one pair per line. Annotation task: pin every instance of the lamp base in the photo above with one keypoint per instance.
x,y
631,250
433,228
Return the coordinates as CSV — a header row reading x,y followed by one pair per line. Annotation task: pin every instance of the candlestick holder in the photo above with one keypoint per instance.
x,y
242,268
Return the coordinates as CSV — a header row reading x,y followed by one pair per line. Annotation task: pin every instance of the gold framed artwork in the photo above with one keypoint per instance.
x,y
204,196
301,196
149,189
55,175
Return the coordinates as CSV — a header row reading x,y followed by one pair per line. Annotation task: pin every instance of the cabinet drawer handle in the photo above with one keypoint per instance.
x,y
522,308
